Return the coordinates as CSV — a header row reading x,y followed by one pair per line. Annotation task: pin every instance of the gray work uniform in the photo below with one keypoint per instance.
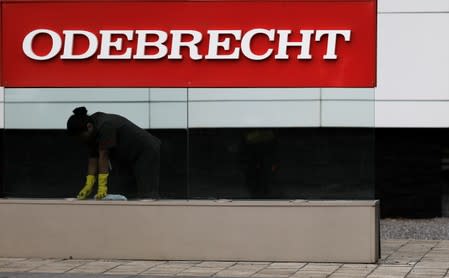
x,y
130,146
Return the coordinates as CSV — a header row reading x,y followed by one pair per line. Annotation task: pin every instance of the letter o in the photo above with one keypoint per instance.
x,y
28,42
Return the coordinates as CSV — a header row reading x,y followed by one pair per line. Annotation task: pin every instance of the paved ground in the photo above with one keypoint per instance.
x,y
400,258
422,229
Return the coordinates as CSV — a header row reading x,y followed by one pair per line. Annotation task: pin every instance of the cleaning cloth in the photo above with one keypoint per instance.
x,y
114,197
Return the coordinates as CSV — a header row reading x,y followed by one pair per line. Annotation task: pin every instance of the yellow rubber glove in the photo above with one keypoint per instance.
x,y
87,189
102,186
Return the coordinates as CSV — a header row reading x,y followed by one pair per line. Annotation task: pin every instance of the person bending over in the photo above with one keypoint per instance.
x,y
111,137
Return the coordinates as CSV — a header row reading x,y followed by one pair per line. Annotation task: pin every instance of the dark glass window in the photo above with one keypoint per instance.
x,y
212,163
50,164
42,164
290,163
407,169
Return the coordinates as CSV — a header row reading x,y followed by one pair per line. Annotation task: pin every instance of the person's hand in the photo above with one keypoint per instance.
x,y
87,189
102,186
102,192
84,193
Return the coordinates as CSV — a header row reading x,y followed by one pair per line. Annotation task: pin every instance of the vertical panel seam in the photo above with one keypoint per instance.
x,y
321,107
375,105
3,114
188,144
149,108
2,103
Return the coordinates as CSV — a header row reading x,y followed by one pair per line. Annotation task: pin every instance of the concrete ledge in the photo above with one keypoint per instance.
x,y
299,230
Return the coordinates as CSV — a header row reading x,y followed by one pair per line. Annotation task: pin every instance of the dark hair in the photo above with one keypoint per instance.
x,y
77,123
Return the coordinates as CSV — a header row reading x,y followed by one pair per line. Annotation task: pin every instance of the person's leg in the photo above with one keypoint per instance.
x,y
121,180
146,173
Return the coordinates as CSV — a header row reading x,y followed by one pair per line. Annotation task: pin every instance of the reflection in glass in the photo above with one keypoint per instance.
x,y
261,159
49,164
212,163
283,163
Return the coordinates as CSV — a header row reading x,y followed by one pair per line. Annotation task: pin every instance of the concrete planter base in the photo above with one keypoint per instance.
x,y
306,231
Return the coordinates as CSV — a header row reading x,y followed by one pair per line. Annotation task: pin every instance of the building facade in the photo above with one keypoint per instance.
x,y
264,142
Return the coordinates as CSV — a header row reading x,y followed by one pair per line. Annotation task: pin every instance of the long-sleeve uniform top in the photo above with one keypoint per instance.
x,y
128,144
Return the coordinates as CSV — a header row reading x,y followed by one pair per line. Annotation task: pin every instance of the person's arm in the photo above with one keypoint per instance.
x,y
92,166
92,171
103,161
103,173
91,178
106,139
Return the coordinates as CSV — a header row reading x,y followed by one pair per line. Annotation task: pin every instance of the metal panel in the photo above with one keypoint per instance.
x,y
347,94
254,114
76,95
2,111
347,113
168,115
398,6
413,57
412,113
168,94
55,115
227,94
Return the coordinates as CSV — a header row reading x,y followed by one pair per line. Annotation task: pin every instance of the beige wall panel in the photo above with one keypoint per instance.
x,y
315,231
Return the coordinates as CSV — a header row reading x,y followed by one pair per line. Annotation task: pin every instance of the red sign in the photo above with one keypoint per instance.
x,y
189,44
